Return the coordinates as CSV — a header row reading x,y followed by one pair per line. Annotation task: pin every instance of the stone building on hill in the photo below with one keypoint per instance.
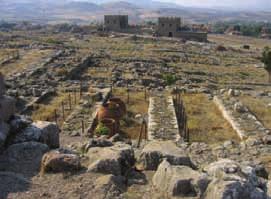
x,y
172,27
116,22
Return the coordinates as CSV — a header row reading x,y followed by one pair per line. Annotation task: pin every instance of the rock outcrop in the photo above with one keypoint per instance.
x,y
179,181
23,158
56,161
154,153
116,160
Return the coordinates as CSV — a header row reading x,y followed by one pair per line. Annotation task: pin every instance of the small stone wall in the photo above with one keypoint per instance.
x,y
240,118
162,124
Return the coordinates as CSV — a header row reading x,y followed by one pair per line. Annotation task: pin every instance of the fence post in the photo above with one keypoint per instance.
x,y
63,111
74,93
81,89
55,116
70,101
128,94
83,127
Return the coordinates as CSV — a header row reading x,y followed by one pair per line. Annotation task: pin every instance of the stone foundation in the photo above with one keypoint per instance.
x,y
163,124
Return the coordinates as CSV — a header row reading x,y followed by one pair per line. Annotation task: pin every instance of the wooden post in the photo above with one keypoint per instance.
x,y
140,135
74,94
81,89
145,93
55,116
63,111
128,94
146,130
70,101
83,127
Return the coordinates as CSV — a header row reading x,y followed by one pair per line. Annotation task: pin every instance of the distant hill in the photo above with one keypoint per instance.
x,y
58,11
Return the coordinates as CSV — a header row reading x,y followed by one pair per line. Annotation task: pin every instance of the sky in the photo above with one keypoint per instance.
x,y
224,3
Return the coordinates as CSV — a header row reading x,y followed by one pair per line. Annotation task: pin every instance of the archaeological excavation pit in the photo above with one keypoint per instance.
x,y
205,121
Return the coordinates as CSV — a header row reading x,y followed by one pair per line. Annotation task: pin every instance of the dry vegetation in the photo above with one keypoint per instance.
x,y
259,106
205,122
27,59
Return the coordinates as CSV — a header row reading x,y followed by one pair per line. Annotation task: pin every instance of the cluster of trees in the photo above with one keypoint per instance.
x,y
246,28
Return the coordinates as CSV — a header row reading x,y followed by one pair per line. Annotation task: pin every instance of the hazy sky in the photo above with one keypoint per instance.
x,y
227,3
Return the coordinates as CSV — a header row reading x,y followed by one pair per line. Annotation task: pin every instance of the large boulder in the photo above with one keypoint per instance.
x,y
233,189
154,153
116,160
12,183
7,108
18,123
4,132
2,85
179,181
235,181
23,158
109,186
44,132
56,161
49,133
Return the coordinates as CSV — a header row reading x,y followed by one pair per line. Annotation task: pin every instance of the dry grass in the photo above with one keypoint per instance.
x,y
27,59
239,40
46,111
205,121
259,107
137,105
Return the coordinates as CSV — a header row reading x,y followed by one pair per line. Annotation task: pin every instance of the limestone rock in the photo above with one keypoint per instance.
x,y
4,132
18,123
49,133
109,186
98,142
2,85
116,160
154,153
235,181
7,108
233,189
31,133
179,180
23,158
226,166
18,182
44,132
240,108
55,161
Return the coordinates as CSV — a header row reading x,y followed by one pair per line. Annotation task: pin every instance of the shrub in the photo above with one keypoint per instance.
x,y
102,129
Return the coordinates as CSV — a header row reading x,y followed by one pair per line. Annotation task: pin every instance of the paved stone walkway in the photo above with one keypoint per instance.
x,y
162,119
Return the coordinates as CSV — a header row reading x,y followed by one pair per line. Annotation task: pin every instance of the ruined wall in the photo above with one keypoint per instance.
x,y
194,36
115,22
171,27
168,26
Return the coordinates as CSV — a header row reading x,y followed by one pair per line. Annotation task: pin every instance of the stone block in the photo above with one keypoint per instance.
x,y
7,107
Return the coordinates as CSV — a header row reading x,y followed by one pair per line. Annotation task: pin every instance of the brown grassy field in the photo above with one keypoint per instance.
x,y
27,59
259,106
205,122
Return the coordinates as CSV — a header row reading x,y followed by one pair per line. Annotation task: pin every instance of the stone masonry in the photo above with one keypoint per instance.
x,y
163,123
115,22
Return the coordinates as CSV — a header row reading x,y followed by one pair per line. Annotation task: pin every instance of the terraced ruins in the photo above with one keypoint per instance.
x,y
192,119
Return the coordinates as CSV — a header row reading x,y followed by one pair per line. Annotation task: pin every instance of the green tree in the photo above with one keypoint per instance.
x,y
266,59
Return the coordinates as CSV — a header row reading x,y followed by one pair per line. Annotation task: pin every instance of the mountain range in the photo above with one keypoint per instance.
x,y
86,11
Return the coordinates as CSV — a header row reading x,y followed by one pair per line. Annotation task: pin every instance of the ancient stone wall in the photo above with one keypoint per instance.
x,y
162,124
168,26
195,36
115,22
240,118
